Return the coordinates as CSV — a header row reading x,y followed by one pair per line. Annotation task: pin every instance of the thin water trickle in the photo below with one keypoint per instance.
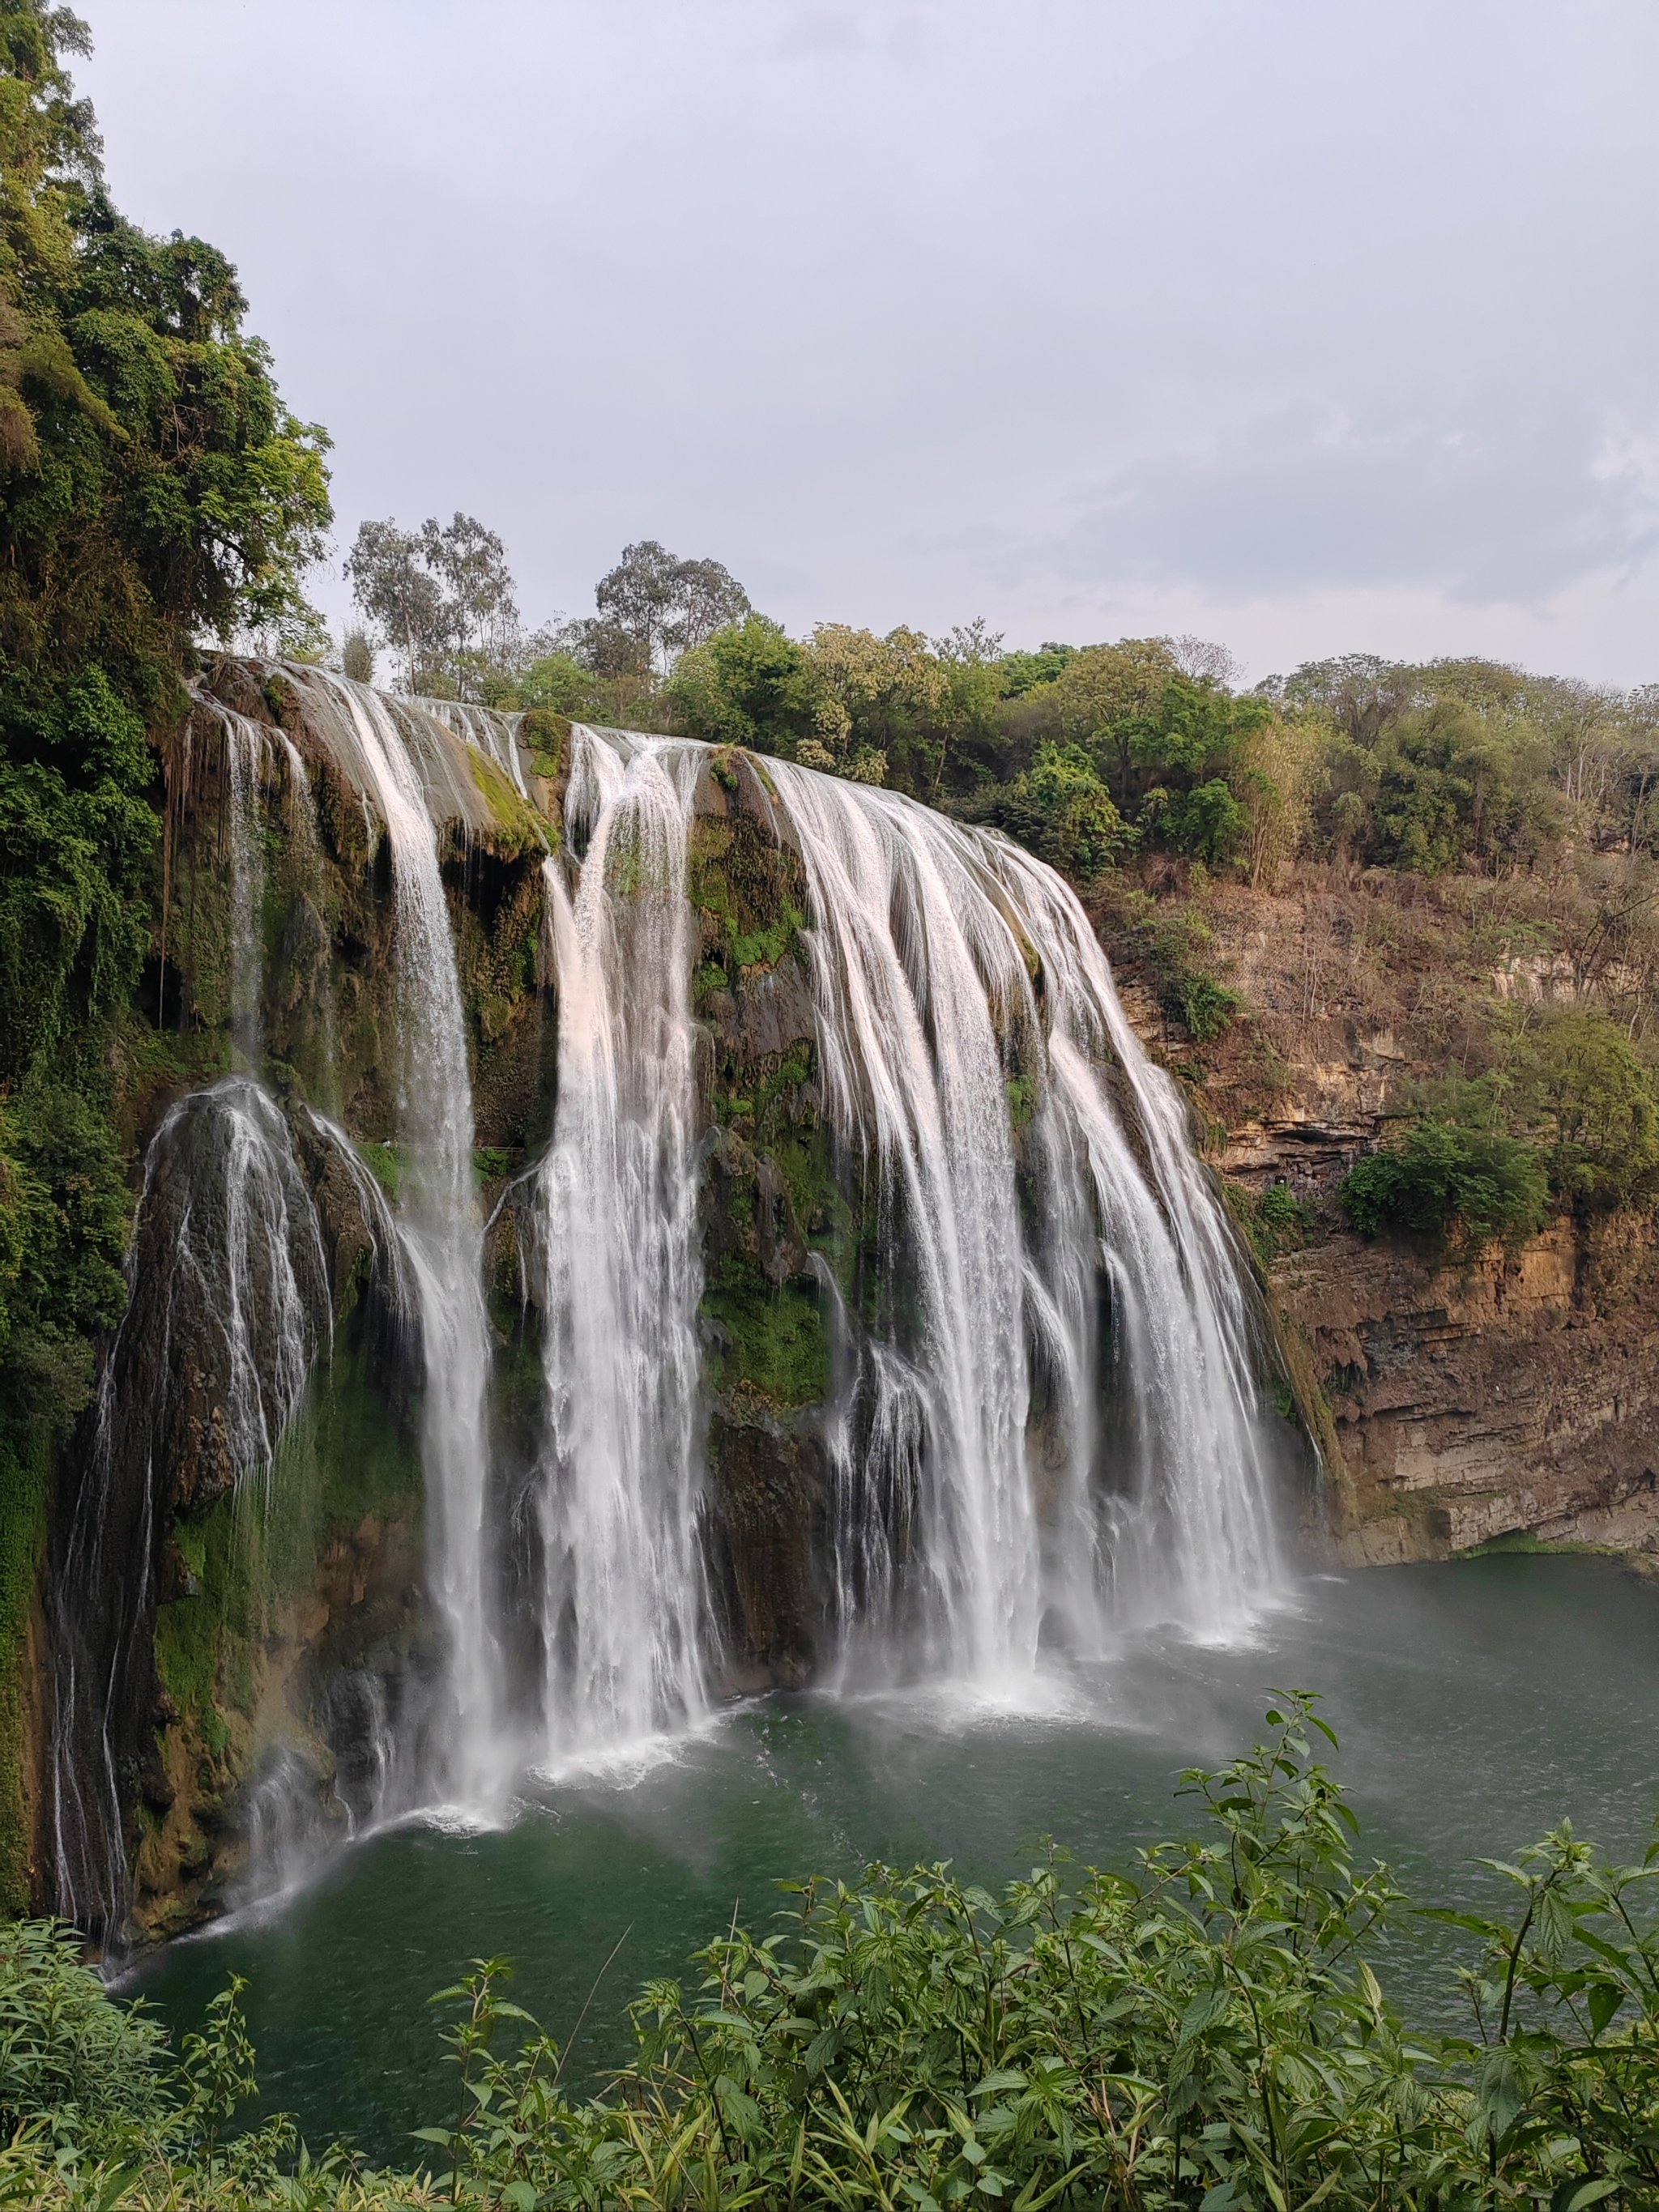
x,y
245,753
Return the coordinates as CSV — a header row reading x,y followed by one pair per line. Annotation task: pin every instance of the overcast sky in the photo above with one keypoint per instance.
x,y
1311,326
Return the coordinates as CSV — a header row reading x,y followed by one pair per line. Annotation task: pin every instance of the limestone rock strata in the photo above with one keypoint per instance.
x,y
1515,1398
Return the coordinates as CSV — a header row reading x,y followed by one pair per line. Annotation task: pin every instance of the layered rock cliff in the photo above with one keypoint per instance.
x,y
1514,1399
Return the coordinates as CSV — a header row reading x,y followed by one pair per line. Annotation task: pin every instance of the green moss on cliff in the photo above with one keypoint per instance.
x,y
250,1558
777,1346
520,827
548,736
203,1639
747,889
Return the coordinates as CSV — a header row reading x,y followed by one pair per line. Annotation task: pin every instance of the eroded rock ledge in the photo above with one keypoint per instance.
x,y
1517,1396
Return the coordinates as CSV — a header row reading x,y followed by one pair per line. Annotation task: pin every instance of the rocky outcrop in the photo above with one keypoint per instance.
x,y
1515,1397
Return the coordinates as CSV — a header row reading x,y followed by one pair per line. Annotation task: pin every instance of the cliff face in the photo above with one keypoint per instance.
x,y
1514,1399
1519,1397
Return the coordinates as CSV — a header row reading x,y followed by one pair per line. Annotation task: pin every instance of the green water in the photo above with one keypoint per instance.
x,y
1476,1705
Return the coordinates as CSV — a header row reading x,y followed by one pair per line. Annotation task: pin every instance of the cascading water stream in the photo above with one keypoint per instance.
x,y
925,941
487,731
443,1239
244,750
228,1307
1194,1541
622,1602
908,962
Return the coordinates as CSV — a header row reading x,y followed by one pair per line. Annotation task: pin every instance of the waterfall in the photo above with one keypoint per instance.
x,y
951,969
443,1243
228,1305
619,1234
1043,1428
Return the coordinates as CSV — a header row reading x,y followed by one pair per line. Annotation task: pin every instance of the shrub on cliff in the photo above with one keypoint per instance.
x,y
1593,1098
1452,1182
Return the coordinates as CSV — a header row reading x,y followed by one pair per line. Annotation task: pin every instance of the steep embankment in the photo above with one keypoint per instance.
x,y
1516,1397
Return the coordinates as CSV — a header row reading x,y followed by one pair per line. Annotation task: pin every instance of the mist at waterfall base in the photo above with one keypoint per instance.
x,y
1476,1705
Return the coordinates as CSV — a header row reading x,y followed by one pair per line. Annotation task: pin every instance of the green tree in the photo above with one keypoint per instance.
x,y
1593,1097
1103,693
1057,808
556,683
749,684
157,490
1451,1182
442,597
653,606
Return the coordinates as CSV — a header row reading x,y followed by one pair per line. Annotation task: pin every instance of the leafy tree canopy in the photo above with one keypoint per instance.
x,y
156,492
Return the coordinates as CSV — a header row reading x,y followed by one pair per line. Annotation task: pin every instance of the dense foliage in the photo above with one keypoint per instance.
x,y
1443,1177
1209,2032
155,490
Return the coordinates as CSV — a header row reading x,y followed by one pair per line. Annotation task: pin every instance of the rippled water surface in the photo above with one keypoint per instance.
x,y
1476,1705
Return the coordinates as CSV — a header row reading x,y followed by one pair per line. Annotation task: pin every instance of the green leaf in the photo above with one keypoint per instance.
x,y
994,2083
1577,2196
1605,1999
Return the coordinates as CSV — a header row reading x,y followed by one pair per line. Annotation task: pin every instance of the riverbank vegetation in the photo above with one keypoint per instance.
x,y
1210,2031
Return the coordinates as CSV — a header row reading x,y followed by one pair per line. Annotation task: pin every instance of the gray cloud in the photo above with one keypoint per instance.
x,y
910,310
1503,503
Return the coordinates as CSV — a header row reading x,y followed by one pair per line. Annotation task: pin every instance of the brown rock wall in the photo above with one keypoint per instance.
x,y
1519,1396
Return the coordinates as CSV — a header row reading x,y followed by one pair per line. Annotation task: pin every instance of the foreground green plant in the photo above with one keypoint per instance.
x,y
1208,2033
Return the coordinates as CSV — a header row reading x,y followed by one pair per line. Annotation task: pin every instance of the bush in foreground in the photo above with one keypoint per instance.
x,y
1208,2033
